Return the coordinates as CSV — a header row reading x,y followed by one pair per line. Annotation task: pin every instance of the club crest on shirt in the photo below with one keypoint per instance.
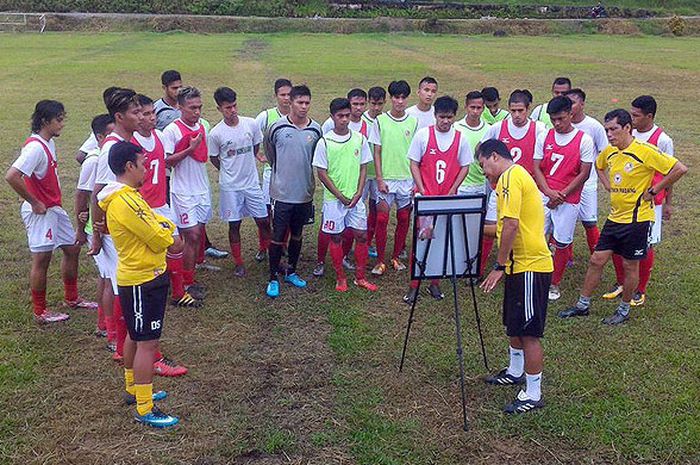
x,y
407,134
357,153
309,138
617,178
629,166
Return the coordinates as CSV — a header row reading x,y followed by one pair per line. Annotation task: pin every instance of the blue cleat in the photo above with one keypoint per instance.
x,y
130,399
273,289
295,280
157,419
372,251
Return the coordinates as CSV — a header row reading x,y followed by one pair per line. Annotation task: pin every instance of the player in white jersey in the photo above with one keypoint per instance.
x,y
377,98
90,144
423,111
234,146
560,86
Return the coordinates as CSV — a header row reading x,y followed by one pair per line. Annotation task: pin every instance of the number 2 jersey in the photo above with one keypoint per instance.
x,y
519,140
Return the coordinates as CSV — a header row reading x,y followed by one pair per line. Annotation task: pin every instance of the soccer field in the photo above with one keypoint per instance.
x,y
312,378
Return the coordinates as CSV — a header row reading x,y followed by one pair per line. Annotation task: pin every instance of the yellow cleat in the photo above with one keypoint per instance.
x,y
614,292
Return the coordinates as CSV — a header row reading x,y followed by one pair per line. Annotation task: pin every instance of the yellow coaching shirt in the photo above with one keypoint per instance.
x,y
631,172
519,198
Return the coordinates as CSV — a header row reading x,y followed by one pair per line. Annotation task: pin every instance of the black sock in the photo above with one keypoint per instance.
x,y
293,251
275,254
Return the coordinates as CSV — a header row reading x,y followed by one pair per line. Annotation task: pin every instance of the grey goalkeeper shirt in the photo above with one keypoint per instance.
x,y
290,151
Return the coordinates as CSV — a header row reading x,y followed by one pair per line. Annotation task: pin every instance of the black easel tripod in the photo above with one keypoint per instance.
x,y
448,266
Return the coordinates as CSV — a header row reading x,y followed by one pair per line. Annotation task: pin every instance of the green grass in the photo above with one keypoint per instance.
x,y
313,377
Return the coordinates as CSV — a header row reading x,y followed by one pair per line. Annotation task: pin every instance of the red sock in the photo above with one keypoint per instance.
x,y
39,302
158,355
177,285
561,256
120,325
361,257
380,234
263,243
101,318
324,240
337,257
592,236
70,290
371,221
236,253
202,245
348,238
619,269
403,219
486,246
111,329
645,267
187,277
414,282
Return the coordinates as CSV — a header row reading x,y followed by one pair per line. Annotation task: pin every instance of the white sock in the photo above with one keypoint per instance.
x,y
534,388
517,362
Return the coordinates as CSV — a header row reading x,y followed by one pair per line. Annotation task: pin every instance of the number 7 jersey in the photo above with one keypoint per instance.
x,y
154,185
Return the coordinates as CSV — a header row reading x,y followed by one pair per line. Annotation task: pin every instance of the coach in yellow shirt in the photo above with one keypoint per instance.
x,y
626,168
526,262
141,238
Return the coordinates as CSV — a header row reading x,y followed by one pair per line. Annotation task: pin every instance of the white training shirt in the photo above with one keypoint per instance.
x,y
425,118
537,112
105,175
234,146
596,131
189,177
32,159
665,141
444,140
90,144
516,132
88,171
588,154
149,142
321,157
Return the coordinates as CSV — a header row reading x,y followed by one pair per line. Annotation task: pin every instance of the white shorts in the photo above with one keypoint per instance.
x,y
369,193
236,205
191,210
560,221
337,217
492,209
400,193
167,212
267,173
107,261
47,232
588,211
469,190
655,234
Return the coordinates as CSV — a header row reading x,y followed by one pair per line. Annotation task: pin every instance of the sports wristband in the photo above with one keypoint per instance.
x,y
499,267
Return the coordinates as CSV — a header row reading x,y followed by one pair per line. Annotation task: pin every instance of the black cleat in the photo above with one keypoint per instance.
x,y
573,311
502,378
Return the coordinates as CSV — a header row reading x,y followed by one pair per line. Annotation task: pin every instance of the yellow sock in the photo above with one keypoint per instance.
x,y
144,398
129,380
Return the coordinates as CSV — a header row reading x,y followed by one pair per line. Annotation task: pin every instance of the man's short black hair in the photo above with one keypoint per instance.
x,y
490,94
120,154
282,82
578,92
121,100
559,104
187,93
144,100
300,91
446,104
520,96
474,95
338,104
99,124
357,93
170,76
427,80
562,81
376,93
225,95
44,112
399,88
646,103
623,117
487,147
107,93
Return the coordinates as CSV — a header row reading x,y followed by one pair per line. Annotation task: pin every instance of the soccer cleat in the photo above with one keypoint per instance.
x,y
261,255
617,318
130,399
638,299
411,295
196,290
186,301
372,252
295,280
157,419
273,289
348,265
435,292
614,292
403,255
341,285
168,368
363,283
320,270
379,269
80,303
573,311
111,347
206,266
502,378
100,332
213,252
239,271
397,265
117,357
554,292
522,404
51,317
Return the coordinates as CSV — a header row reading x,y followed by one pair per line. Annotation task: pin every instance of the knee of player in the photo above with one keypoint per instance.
x,y
597,259
178,245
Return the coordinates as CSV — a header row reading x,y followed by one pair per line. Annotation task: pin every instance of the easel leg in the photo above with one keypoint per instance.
x,y
408,327
460,355
478,324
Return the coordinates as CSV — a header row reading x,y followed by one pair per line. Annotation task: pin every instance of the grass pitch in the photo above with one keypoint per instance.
x,y
312,377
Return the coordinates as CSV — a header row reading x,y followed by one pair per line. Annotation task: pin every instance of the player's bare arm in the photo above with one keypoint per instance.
x,y
82,207
381,185
555,197
360,186
579,180
678,170
463,172
508,234
417,178
14,179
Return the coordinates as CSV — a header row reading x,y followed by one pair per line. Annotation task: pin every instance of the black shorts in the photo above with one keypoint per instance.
x,y
143,307
630,240
292,216
525,303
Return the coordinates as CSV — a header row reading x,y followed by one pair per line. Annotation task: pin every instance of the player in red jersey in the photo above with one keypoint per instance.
x,y
440,158
34,176
563,159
